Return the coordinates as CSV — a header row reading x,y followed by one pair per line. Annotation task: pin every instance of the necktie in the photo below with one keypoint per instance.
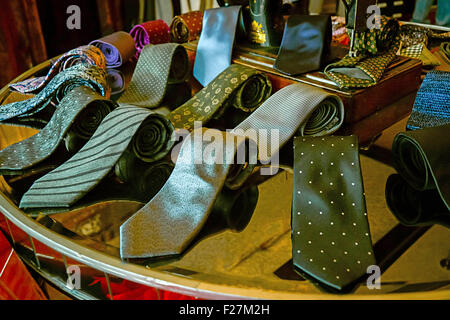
x,y
305,45
78,75
265,22
158,65
432,104
330,232
186,27
238,86
216,43
172,219
421,157
150,32
77,116
444,50
85,54
118,48
376,50
128,127
147,233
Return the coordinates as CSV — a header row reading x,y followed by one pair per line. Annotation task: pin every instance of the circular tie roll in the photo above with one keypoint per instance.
x,y
87,123
328,114
154,139
116,81
117,48
179,67
412,207
150,32
186,27
249,96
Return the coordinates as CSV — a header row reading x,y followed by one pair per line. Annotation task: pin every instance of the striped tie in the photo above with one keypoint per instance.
x,y
76,76
78,115
158,66
127,126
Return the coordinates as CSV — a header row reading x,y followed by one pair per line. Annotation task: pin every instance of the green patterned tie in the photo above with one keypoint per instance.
x,y
238,86
146,133
376,50
76,118
76,76
330,233
158,66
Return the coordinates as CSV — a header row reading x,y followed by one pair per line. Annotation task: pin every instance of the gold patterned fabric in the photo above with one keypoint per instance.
x,y
238,86
376,50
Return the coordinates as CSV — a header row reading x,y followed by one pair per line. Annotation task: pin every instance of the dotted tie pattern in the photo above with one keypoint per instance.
x,y
150,32
186,27
330,232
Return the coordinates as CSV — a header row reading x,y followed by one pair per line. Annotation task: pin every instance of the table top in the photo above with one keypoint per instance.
x,y
249,264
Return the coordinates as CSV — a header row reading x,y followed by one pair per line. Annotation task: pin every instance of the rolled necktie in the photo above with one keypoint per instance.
x,y
421,157
216,43
117,48
64,82
331,241
306,43
86,54
158,66
415,208
116,81
238,86
150,32
78,115
186,27
297,109
432,104
128,127
376,50
170,221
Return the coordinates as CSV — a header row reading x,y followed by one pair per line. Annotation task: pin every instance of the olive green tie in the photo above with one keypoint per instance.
x,y
376,50
421,195
330,232
76,118
238,86
158,66
146,133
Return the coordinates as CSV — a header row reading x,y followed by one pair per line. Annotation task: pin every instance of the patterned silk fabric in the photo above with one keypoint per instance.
x,y
78,75
376,50
81,111
158,66
150,32
117,47
85,54
432,104
186,27
238,86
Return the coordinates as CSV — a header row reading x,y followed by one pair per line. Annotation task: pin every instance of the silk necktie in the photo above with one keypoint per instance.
x,y
422,159
158,65
186,27
118,48
238,86
376,50
77,117
444,50
305,46
432,104
146,234
330,233
150,32
216,43
78,75
85,54
144,132
172,219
